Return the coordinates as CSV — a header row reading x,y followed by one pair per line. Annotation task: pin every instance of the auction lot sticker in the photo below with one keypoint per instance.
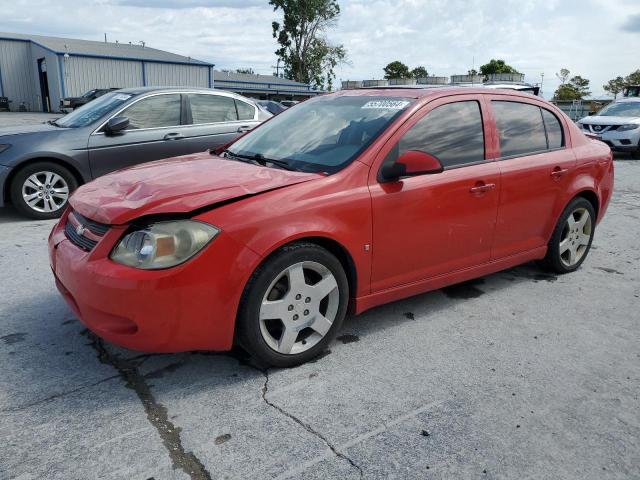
x,y
386,104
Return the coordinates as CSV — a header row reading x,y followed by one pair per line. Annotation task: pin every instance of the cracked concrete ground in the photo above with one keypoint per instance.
x,y
521,374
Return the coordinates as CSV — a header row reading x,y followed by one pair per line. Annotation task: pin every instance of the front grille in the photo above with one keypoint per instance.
x,y
603,128
98,228
79,240
88,236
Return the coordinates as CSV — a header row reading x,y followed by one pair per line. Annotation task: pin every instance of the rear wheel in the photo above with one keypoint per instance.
x,y
293,305
572,237
41,190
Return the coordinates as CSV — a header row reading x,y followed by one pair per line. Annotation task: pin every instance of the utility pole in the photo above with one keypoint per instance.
x,y
277,67
541,82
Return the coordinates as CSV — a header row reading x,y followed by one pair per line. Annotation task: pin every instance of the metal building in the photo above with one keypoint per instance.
x,y
36,72
263,86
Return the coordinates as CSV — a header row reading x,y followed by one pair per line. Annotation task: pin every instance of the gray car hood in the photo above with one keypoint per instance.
x,y
26,129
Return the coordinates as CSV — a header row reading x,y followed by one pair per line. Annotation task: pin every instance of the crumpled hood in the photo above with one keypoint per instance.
x,y
176,185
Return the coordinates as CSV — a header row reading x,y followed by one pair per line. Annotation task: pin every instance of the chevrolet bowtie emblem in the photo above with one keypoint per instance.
x,y
80,230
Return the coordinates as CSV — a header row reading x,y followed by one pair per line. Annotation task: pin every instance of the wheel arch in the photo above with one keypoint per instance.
x,y
592,197
15,170
334,247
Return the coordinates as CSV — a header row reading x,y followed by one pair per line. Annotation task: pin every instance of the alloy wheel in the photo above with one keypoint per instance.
x,y
576,236
299,307
45,191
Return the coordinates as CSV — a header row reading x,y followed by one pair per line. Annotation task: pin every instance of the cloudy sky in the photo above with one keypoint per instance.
x,y
598,39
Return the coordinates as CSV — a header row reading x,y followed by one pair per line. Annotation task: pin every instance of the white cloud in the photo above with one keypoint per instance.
x,y
595,39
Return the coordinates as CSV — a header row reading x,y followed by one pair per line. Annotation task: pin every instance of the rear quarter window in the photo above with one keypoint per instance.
x,y
245,111
555,134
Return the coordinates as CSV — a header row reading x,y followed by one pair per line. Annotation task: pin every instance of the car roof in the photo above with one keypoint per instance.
x,y
422,91
627,99
138,90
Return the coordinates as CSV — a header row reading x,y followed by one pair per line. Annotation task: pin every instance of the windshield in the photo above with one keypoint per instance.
x,y
92,111
621,109
323,134
89,93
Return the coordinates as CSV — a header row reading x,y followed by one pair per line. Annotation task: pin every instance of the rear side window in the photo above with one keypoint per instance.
x,y
555,137
245,111
154,112
453,133
520,128
212,108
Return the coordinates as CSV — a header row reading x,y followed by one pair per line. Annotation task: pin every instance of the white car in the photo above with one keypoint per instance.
x,y
617,124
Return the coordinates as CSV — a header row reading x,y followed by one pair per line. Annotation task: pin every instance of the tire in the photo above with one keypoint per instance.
x,y
282,326
571,239
636,154
50,198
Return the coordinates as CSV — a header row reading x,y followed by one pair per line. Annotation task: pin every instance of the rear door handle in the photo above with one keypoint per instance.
x,y
481,187
244,128
173,136
559,172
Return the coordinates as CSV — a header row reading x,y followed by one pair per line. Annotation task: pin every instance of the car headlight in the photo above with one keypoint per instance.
x,y
163,244
3,147
628,126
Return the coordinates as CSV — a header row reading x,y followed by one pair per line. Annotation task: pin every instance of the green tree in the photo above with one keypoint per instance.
x,y
614,86
307,55
396,69
563,75
633,78
419,72
248,71
473,72
575,89
496,66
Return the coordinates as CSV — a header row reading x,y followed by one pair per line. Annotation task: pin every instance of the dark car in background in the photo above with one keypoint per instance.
x,y
41,165
75,102
272,106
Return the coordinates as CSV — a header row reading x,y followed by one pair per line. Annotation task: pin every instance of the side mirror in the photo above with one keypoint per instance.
x,y
115,125
410,164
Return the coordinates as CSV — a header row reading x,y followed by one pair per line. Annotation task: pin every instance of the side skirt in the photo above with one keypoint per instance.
x,y
366,302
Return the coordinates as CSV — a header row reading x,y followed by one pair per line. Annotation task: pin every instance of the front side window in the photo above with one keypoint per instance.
x,y
453,133
245,111
154,112
323,134
212,108
520,128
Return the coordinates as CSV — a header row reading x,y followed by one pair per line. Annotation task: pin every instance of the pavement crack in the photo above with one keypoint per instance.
x,y
306,426
58,395
156,412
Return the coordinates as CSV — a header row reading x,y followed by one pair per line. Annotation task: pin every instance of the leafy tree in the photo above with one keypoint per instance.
x,y
419,72
575,89
614,86
563,75
633,78
496,66
307,55
248,71
473,72
396,69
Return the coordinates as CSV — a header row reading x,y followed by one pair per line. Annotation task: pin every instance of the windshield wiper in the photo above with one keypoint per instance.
x,y
262,160
53,122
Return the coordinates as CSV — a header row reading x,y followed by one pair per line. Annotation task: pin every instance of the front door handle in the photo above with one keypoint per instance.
x,y
244,128
173,136
558,172
481,187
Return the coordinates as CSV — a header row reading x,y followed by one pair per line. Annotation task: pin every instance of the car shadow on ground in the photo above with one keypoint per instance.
x,y
64,337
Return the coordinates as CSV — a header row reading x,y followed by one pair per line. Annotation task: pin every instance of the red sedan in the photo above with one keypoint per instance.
x,y
344,202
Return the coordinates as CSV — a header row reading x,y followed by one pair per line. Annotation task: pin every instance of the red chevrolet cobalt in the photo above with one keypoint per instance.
x,y
342,203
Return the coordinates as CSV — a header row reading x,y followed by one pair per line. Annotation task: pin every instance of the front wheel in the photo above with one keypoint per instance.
x,y
293,305
572,237
41,190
